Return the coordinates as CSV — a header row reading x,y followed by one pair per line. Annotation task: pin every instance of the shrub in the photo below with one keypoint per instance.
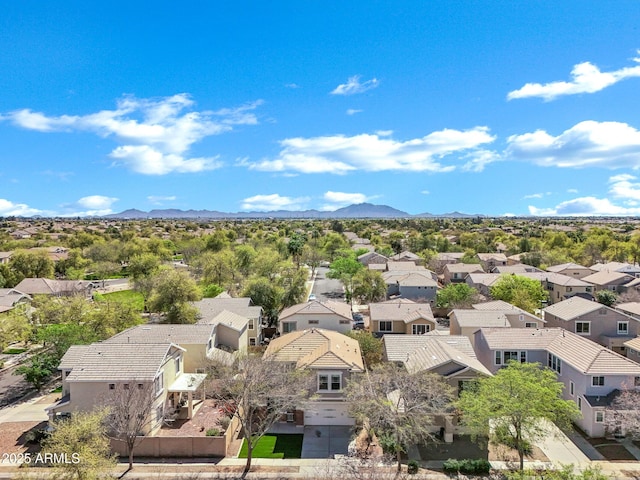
x,y
412,467
224,423
213,432
36,436
467,466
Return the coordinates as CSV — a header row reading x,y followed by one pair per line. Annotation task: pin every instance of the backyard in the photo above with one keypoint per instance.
x,y
280,445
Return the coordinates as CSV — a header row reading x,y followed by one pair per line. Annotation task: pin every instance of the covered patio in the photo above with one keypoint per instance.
x,y
187,383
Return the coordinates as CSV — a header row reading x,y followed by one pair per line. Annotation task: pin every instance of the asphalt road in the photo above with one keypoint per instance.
x,y
12,387
326,288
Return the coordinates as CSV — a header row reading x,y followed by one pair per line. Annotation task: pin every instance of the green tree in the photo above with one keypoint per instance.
x,y
172,292
523,292
399,404
144,265
14,327
369,286
38,369
606,297
370,346
295,247
456,295
58,337
515,402
83,439
31,264
268,295
344,269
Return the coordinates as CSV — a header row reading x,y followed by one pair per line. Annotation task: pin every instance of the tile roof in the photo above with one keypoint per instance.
x,y
581,353
632,308
104,362
436,353
606,277
404,310
317,348
165,333
316,307
47,286
566,266
464,267
209,308
397,346
573,307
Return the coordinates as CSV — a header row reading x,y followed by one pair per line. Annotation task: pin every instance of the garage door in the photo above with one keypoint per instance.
x,y
327,413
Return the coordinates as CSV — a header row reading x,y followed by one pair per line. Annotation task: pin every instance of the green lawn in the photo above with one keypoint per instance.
x,y
14,351
282,445
126,296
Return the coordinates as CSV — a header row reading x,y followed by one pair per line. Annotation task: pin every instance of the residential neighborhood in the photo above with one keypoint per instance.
x,y
333,325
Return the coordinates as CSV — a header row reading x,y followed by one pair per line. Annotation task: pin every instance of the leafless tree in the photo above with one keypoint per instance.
x,y
623,414
399,404
130,409
262,392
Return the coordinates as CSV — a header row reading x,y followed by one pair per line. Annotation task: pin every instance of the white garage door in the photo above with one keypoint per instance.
x,y
327,413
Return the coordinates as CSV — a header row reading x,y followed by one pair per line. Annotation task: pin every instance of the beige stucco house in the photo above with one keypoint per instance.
x,y
333,358
328,315
402,316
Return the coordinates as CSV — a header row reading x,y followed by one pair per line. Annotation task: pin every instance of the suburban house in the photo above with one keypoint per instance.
x,y
417,284
407,256
333,358
10,298
590,372
445,258
91,373
59,288
372,258
620,267
232,330
401,316
608,280
200,342
458,272
630,308
482,282
491,260
517,269
595,321
449,356
210,308
327,315
496,314
571,270
5,257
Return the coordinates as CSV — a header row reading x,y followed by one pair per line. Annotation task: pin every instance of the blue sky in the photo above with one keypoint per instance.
x,y
498,108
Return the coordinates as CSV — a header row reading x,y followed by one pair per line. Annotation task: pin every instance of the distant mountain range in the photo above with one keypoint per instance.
x,y
361,210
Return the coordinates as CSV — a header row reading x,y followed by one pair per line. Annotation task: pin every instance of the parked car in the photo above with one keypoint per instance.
x,y
357,316
358,325
312,296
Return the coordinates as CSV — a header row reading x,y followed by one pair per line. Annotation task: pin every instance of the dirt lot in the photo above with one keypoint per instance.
x,y
12,436
611,450
206,417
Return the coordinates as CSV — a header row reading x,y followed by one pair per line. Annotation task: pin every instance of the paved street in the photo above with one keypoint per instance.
x,y
326,288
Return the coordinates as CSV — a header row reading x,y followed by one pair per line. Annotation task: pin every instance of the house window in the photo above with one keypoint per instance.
x,y
597,381
531,325
112,386
314,322
587,289
288,327
599,416
178,365
580,403
569,289
572,388
252,341
159,413
498,359
420,329
603,311
623,328
583,328
329,382
252,324
126,386
385,326
158,384
554,363
140,386
345,322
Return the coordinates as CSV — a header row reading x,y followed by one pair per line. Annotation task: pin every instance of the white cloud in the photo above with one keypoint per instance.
x,y
586,144
585,78
572,190
425,192
354,86
155,134
8,208
341,199
97,202
160,199
274,202
353,111
90,206
292,85
534,195
340,154
621,187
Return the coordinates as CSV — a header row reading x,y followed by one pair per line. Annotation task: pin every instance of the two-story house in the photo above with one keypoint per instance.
x,y
401,316
91,373
333,358
457,272
589,371
571,270
491,260
210,308
327,315
604,325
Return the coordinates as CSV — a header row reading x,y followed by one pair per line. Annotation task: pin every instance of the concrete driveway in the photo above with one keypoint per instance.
x,y
325,441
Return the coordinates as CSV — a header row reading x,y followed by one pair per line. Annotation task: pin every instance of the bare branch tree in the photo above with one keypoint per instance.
x,y
399,404
130,407
622,416
262,391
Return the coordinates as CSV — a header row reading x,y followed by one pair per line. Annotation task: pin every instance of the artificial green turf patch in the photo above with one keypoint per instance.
x,y
281,445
